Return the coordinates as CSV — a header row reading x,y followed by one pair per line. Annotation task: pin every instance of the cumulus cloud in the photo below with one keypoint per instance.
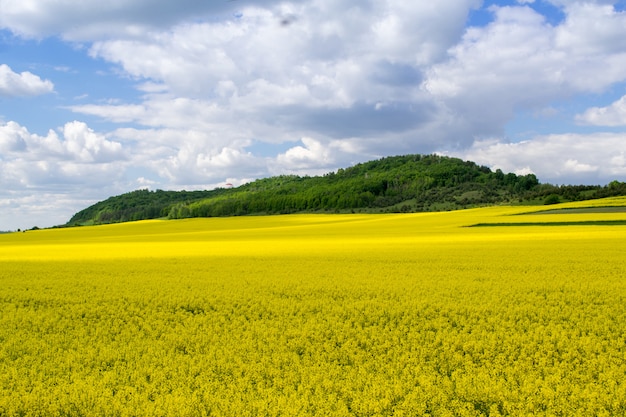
x,y
591,29
86,21
371,82
40,175
24,211
312,155
348,72
79,143
613,115
519,61
567,158
159,111
23,84
80,156
193,166
326,56
385,70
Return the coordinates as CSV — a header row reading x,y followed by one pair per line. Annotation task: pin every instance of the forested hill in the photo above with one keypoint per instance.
x,y
393,184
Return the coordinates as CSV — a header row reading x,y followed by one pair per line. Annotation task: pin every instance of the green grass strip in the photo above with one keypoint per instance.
x,y
582,210
581,223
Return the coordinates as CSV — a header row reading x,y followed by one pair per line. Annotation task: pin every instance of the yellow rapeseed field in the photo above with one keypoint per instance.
x,y
342,315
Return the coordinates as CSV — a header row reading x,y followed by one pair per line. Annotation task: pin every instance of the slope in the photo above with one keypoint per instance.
x,y
410,183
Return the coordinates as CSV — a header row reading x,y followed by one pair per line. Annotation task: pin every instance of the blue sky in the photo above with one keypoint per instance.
x,y
101,98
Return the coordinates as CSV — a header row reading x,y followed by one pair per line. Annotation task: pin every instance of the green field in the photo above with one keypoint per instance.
x,y
353,315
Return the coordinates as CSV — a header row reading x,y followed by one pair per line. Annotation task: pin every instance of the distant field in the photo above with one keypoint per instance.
x,y
347,315
584,210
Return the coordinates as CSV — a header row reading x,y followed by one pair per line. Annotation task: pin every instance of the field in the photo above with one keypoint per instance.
x,y
343,315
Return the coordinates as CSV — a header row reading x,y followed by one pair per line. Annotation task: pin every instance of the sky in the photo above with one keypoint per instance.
x,y
99,98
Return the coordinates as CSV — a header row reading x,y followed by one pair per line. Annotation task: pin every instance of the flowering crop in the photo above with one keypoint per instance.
x,y
377,315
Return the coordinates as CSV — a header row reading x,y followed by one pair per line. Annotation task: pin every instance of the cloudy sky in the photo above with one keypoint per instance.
x,y
98,98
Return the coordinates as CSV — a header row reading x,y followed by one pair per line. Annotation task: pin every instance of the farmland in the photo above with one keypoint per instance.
x,y
363,315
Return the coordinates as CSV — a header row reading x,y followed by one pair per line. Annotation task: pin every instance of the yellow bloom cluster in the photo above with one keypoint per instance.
x,y
347,315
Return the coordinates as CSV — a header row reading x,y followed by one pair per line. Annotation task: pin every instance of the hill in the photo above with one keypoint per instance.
x,y
394,184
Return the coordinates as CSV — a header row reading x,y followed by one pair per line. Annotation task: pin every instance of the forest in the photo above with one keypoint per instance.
x,y
409,183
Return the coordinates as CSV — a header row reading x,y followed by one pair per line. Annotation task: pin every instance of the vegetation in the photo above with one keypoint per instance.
x,y
136,205
344,315
412,183
405,183
572,223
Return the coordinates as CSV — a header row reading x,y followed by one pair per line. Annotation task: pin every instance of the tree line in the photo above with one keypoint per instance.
x,y
409,183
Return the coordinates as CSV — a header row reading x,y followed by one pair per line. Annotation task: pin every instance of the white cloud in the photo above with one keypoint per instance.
x,y
592,29
356,70
79,144
575,166
42,209
567,158
347,72
228,158
519,61
23,84
45,179
326,56
310,156
613,115
190,165
116,113
192,158
568,4
12,138
87,145
85,21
